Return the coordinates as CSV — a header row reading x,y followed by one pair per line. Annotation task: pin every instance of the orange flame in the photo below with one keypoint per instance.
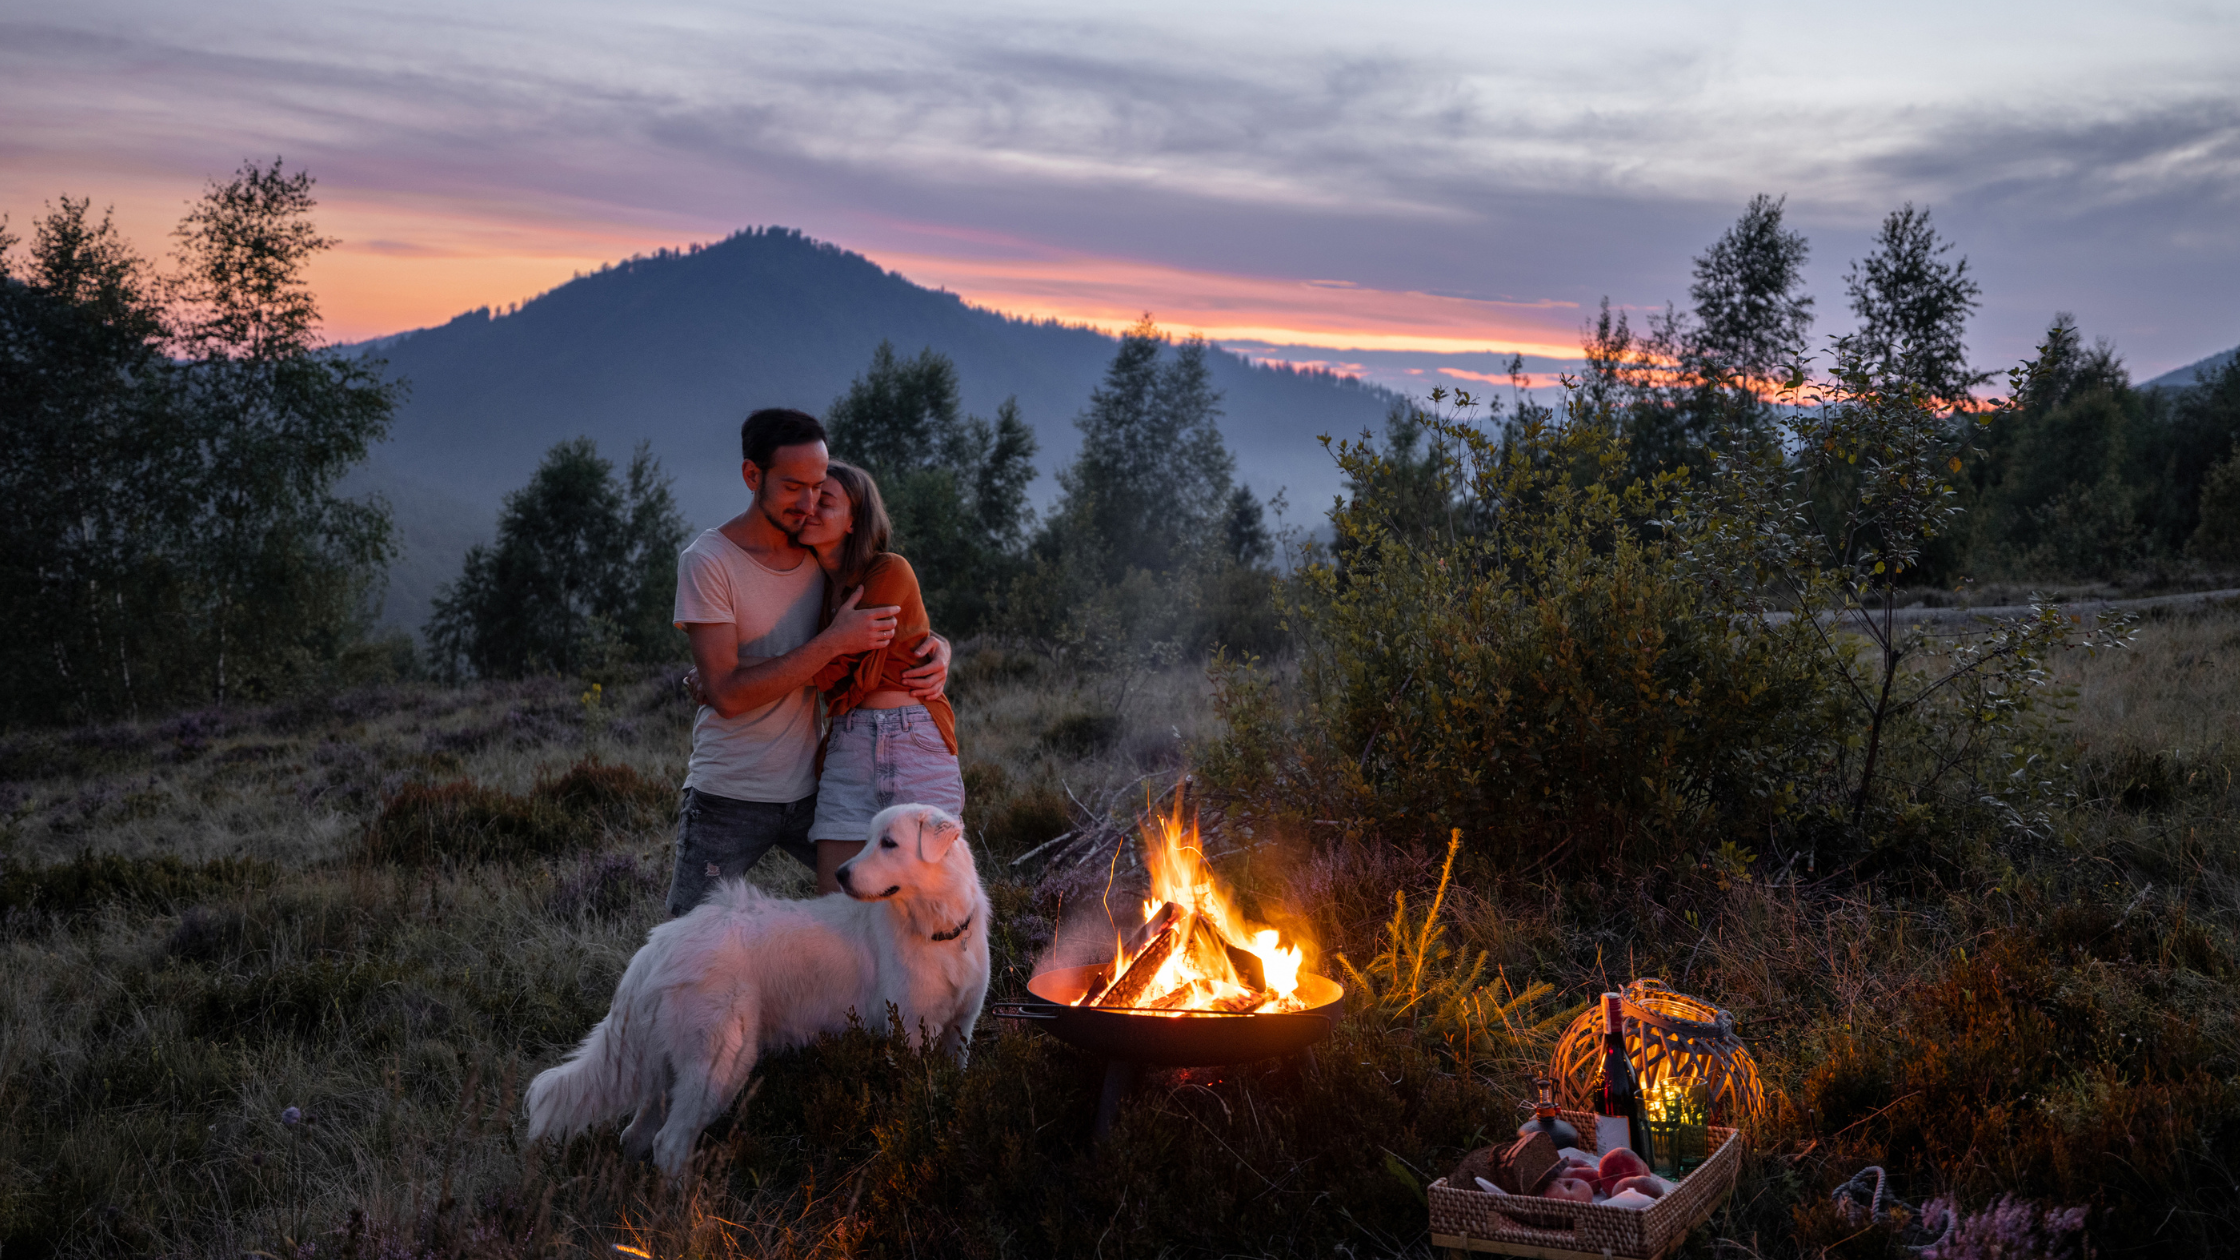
x,y
1206,966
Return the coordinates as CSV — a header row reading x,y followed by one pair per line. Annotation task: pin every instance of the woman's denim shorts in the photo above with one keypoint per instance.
x,y
880,757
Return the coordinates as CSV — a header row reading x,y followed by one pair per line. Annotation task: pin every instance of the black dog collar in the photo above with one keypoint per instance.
x,y
955,932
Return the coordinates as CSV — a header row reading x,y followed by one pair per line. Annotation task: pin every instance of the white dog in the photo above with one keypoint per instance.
x,y
746,973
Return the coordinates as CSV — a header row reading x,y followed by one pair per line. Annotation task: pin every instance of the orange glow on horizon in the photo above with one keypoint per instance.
x,y
1530,380
407,261
1112,293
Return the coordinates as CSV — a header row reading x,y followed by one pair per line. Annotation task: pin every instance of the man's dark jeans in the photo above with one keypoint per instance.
x,y
719,838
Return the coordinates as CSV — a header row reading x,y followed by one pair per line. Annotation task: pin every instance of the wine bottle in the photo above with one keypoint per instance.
x,y
1548,1118
1620,1117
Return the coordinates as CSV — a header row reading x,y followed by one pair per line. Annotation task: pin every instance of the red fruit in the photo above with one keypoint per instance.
x,y
1622,1163
1647,1185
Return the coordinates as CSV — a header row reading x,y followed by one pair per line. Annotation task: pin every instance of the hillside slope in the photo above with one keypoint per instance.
x,y
2184,378
675,349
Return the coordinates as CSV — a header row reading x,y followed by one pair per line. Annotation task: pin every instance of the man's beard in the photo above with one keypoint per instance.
x,y
778,522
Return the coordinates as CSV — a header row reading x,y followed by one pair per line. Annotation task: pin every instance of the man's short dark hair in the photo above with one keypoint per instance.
x,y
772,427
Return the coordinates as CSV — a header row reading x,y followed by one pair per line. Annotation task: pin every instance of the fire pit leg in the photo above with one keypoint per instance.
x,y
1119,1078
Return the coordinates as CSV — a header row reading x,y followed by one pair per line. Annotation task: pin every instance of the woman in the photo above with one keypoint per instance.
x,y
884,747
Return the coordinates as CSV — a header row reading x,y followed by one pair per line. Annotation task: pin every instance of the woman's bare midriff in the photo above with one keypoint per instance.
x,y
887,700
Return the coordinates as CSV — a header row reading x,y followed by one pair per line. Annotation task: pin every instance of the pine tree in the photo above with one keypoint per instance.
x,y
1152,481
1152,547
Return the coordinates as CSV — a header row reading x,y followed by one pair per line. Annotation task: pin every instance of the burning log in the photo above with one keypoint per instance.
x,y
1165,915
1194,952
1096,985
1209,953
1250,973
1128,990
1132,947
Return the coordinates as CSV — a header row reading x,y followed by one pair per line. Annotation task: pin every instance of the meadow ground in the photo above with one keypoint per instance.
x,y
388,908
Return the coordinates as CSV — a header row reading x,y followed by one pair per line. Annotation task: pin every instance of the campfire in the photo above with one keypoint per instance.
x,y
1196,984
1194,954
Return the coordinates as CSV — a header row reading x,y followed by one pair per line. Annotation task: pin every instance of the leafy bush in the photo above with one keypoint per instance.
x,y
1530,664
1512,634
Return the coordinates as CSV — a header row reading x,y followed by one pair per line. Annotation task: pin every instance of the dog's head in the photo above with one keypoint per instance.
x,y
906,854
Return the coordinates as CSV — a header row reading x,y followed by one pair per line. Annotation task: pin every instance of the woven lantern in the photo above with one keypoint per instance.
x,y
1670,1037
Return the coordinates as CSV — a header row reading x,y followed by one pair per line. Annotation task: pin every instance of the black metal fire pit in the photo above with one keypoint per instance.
x,y
1129,1039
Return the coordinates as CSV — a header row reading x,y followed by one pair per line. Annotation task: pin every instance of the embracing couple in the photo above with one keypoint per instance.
x,y
794,597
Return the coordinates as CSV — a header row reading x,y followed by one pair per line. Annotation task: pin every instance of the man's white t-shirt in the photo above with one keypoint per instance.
x,y
766,754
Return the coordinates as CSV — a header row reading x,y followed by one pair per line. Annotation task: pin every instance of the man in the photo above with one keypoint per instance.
x,y
749,599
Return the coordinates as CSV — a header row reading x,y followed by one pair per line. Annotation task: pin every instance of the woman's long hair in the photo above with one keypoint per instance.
x,y
868,535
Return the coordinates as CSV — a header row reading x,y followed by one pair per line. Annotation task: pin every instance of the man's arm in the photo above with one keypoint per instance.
x,y
732,688
926,681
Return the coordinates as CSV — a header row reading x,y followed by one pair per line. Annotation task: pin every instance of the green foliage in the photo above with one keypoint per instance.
x,y
1831,532
2217,538
172,448
1538,670
1419,979
2061,475
954,485
582,575
1694,376
1512,635
1913,309
1751,318
1153,550
1153,480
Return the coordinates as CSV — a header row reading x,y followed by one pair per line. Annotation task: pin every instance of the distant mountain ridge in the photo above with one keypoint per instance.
x,y
2184,378
674,349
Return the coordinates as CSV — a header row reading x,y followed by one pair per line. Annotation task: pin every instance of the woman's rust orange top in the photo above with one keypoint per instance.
x,y
846,680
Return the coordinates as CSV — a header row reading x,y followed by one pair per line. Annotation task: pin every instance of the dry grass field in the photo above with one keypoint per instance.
x,y
387,909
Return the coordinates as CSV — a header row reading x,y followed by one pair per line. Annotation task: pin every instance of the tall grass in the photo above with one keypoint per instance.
x,y
196,936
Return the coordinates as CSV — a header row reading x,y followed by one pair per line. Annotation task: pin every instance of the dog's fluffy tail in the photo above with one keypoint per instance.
x,y
595,1084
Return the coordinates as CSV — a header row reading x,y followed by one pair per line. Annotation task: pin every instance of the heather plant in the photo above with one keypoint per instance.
x,y
2010,1229
2056,1022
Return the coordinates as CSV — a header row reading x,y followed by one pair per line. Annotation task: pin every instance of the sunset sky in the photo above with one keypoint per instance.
x,y
1410,192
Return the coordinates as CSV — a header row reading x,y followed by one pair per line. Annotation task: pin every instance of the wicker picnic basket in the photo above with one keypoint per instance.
x,y
1558,1229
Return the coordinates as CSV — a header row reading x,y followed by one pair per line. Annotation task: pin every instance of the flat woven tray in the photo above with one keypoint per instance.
x,y
1558,1229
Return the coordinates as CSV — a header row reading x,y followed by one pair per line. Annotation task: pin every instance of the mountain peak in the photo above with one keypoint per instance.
x,y
676,347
